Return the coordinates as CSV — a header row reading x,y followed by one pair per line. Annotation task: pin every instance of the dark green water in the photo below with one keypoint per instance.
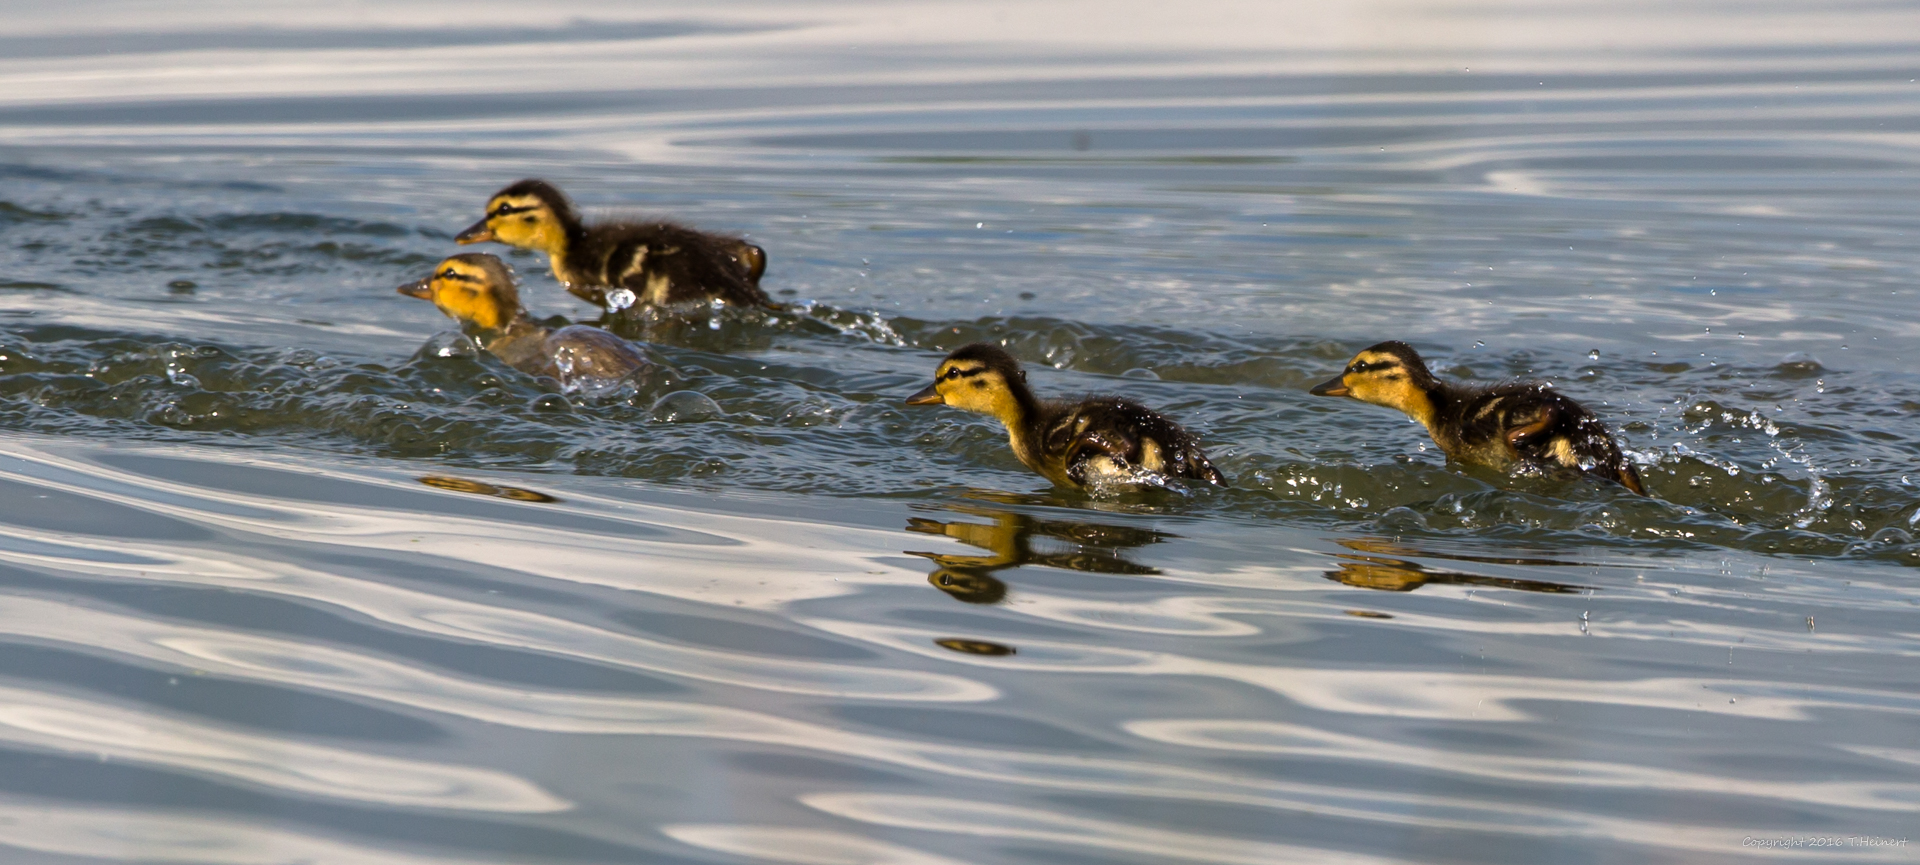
x,y
754,609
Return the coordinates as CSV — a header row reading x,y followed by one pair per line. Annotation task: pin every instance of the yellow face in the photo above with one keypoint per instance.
x,y
522,221
971,385
475,290
1379,378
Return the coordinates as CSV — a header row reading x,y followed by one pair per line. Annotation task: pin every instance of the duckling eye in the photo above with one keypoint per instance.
x,y
445,274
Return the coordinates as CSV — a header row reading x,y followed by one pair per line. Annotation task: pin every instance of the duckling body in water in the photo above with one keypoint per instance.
x,y
659,263
1097,442
1501,426
478,291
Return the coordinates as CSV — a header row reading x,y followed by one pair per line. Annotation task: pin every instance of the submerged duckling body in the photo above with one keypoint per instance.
x,y
1502,426
478,291
661,263
1098,441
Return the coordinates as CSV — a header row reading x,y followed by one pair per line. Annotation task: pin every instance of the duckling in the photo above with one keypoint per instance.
x,y
1097,441
478,290
1501,426
660,263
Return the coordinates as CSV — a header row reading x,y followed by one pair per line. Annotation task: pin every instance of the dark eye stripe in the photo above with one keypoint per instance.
x,y
509,210
450,273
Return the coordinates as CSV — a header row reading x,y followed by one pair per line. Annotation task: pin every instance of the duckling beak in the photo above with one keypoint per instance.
x,y
929,396
478,232
1336,387
419,288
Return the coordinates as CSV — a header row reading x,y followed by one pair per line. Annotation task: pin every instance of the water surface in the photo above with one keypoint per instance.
x,y
284,579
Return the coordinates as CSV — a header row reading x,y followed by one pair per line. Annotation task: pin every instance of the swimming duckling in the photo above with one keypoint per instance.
x,y
660,263
478,291
1500,426
1094,442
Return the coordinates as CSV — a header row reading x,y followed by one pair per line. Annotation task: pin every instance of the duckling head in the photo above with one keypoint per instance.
x,y
980,378
531,214
474,289
1389,374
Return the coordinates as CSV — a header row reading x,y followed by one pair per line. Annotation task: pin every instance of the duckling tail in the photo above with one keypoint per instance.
x,y
1629,477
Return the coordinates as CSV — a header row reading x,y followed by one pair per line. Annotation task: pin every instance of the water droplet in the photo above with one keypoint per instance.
x,y
450,343
979,225
684,406
1401,519
620,298
1799,363
1593,354
1479,344
1141,372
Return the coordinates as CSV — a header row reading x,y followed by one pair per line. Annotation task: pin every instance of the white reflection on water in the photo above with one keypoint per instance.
x,y
995,820
743,570
1274,737
1448,695
799,846
1437,694
152,835
758,45
37,719
292,664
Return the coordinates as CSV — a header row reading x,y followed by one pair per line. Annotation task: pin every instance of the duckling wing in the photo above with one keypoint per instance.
x,y
667,264
1112,438
1545,427
583,354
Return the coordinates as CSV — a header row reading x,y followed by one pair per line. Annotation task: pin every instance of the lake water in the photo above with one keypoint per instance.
x,y
282,579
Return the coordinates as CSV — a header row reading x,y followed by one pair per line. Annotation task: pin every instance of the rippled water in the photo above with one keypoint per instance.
x,y
283,578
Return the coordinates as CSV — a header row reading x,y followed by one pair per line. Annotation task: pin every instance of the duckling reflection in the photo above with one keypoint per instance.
x,y
479,488
975,647
1400,575
1397,548
1094,548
